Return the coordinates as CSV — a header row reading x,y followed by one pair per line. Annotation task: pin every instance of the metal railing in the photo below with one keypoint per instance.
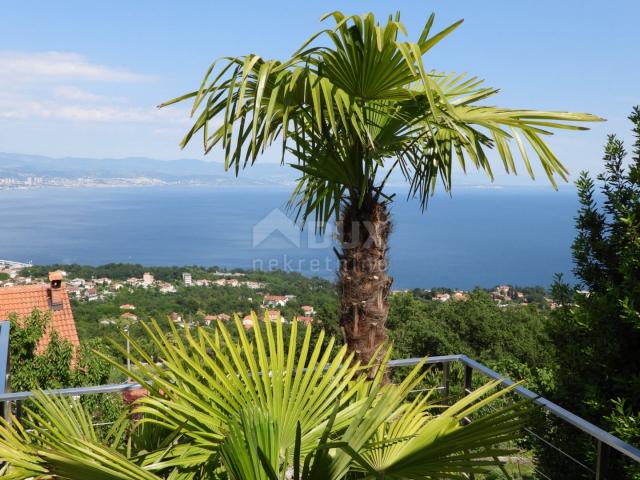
x,y
605,440
5,326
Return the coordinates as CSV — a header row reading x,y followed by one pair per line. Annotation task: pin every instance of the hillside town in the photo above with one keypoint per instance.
x,y
256,295
76,290
93,289
29,182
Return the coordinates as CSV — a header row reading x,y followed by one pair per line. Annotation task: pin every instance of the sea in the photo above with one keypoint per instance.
x,y
474,237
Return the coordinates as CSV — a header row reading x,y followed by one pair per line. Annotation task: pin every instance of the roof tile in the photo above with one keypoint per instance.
x,y
23,300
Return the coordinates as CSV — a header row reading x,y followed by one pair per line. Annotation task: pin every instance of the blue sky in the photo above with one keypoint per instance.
x,y
82,78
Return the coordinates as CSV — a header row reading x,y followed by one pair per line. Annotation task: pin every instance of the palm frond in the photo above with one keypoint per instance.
x,y
360,103
261,405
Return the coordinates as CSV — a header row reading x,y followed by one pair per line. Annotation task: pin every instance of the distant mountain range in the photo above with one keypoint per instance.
x,y
21,167
20,170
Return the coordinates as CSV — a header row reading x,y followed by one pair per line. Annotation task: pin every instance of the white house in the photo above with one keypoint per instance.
x,y
275,300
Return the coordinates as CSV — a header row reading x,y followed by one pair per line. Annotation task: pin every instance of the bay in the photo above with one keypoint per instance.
x,y
476,237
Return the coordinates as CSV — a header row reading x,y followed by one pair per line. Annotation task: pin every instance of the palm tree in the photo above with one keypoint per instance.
x,y
350,111
229,405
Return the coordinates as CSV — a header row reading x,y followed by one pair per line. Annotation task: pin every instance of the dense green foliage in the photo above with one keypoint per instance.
x,y
58,366
583,354
475,327
52,368
513,340
211,415
194,303
598,334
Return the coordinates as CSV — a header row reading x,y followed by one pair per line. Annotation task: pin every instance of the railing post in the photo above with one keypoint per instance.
x,y
602,460
5,327
468,378
445,381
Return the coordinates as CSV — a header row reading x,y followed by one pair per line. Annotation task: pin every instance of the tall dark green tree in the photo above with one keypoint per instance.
x,y
597,335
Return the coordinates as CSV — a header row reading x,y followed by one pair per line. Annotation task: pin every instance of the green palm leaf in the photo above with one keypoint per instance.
x,y
239,405
363,102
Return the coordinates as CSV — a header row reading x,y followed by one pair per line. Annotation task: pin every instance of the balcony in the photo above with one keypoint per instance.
x,y
448,378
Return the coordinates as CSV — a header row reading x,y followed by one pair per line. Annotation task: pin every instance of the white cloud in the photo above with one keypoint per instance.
x,y
70,92
30,66
76,94
23,107
41,86
120,115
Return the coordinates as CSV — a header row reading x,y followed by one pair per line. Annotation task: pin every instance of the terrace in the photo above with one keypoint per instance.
x,y
450,377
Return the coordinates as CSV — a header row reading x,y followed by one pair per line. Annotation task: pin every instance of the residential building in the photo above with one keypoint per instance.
x,y
91,294
148,279
127,306
459,295
129,316
308,310
306,319
222,317
167,288
186,279
247,322
175,317
442,297
501,292
74,291
275,300
51,298
274,316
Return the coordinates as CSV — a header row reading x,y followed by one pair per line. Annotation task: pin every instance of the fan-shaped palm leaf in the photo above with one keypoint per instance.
x,y
354,105
225,405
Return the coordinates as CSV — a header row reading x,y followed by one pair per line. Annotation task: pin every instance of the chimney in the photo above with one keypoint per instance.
x,y
55,290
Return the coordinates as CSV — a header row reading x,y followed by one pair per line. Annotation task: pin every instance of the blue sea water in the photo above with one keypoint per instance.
x,y
477,237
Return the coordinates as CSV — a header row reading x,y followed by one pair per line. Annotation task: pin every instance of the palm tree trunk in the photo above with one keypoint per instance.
x,y
363,280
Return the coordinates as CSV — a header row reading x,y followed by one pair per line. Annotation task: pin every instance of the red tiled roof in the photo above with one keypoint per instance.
x,y
23,300
274,298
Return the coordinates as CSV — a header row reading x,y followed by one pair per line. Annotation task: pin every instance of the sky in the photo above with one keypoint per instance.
x,y
83,78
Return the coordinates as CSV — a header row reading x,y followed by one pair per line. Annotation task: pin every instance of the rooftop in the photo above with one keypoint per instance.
x,y
23,300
